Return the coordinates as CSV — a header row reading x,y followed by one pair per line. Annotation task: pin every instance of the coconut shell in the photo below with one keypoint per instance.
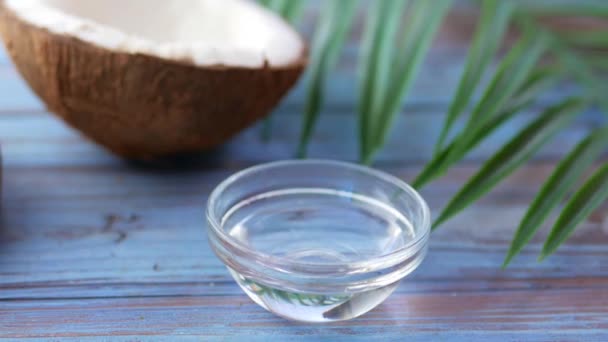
x,y
141,106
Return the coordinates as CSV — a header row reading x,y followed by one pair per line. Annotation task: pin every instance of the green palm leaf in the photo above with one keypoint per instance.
x,y
291,11
597,61
494,21
568,172
378,49
538,82
514,154
573,61
391,59
587,38
423,22
512,74
331,34
592,8
583,203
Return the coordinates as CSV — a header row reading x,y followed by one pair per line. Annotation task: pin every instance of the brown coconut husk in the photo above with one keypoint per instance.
x,y
141,106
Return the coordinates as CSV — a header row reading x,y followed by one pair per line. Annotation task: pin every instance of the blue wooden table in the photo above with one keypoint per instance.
x,y
95,248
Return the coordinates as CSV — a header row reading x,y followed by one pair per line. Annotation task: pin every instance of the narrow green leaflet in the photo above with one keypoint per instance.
x,y
514,70
425,18
592,8
568,172
291,11
390,61
288,9
593,194
586,38
511,156
576,64
539,81
334,26
377,51
277,5
573,61
494,20
597,61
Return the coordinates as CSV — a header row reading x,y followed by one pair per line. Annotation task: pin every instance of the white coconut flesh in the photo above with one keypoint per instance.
x,y
235,33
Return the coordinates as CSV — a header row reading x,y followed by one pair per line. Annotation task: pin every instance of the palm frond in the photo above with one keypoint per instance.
x,y
573,61
390,60
334,26
512,74
597,62
586,39
425,18
593,194
515,73
519,150
494,21
288,9
591,8
567,173
378,49
539,81
596,89
291,11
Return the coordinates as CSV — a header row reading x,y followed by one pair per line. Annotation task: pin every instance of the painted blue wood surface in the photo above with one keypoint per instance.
x,y
94,248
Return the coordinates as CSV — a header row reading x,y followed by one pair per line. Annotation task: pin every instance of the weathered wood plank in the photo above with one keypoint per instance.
x,y
92,248
121,225
523,312
467,336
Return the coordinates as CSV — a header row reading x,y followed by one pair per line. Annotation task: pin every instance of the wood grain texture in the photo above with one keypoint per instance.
x,y
116,251
94,248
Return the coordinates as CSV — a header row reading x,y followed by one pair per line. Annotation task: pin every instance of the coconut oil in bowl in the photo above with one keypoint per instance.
x,y
317,241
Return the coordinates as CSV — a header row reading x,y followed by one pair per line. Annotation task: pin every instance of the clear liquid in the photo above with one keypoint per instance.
x,y
317,225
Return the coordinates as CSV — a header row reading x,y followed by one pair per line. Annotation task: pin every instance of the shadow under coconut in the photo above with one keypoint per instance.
x,y
185,162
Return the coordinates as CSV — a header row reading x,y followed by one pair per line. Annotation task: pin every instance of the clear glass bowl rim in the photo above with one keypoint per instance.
x,y
422,230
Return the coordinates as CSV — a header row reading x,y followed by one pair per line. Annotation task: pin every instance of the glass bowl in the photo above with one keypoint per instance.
x,y
317,241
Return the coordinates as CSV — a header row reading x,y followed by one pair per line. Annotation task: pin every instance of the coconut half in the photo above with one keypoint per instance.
x,y
150,78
